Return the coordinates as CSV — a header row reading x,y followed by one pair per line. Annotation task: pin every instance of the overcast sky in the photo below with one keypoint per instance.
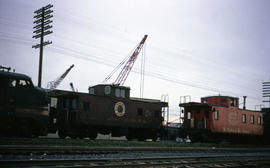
x,y
196,48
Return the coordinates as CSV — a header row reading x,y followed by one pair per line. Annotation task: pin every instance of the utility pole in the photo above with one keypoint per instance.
x,y
41,29
266,92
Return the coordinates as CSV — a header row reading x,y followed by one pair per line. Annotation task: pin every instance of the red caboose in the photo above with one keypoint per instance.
x,y
219,118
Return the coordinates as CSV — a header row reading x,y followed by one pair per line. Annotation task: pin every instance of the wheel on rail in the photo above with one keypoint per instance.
x,y
129,137
73,136
62,134
93,135
24,130
154,138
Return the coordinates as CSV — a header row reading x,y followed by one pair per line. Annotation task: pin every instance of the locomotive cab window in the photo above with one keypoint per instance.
x,y
24,83
12,83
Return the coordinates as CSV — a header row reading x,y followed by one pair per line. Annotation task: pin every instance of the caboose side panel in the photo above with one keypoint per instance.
x,y
225,120
233,120
105,111
108,109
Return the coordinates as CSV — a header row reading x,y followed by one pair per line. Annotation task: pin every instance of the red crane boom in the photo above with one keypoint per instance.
x,y
55,83
120,80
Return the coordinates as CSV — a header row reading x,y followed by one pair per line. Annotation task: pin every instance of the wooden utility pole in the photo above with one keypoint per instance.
x,y
41,29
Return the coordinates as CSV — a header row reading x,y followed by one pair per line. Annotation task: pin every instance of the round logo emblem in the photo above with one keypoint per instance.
x,y
119,109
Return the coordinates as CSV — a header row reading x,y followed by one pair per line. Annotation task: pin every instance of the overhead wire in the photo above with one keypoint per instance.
x,y
170,80
80,55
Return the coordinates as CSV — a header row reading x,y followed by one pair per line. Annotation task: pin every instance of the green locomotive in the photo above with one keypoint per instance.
x,y
24,110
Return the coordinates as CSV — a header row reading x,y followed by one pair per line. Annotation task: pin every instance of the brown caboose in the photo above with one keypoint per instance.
x,y
108,109
219,118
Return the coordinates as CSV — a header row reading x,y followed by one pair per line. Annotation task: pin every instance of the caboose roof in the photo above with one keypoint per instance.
x,y
218,96
194,104
112,85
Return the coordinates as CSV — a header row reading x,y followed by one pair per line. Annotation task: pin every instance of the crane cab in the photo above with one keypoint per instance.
x,y
114,91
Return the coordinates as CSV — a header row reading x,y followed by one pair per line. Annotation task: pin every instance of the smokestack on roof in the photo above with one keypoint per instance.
x,y
244,103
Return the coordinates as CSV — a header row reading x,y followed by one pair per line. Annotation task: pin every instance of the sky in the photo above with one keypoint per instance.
x,y
195,48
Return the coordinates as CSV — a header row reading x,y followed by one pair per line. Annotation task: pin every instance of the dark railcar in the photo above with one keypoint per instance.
x,y
266,125
108,109
219,118
23,107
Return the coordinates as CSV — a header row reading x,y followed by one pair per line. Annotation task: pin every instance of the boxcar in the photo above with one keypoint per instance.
x,y
219,118
23,107
108,109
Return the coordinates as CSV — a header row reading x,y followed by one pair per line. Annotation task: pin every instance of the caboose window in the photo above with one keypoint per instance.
x,y
216,115
232,102
206,114
86,106
123,93
157,114
188,115
244,118
107,90
117,92
139,111
252,119
259,120
91,91
74,104
64,103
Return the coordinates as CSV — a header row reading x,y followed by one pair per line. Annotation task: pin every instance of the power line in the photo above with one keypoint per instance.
x,y
152,74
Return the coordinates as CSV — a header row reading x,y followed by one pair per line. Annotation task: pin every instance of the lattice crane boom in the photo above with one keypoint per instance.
x,y
54,84
120,80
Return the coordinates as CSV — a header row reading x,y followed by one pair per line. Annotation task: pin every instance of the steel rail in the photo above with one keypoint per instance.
x,y
37,148
143,162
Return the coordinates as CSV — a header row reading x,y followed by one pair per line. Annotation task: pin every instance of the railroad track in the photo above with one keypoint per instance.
x,y
83,156
206,161
37,149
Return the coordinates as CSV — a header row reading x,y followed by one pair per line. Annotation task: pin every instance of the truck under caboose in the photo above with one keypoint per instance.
x,y
107,109
219,118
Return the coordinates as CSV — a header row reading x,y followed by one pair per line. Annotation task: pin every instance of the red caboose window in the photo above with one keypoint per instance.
x,y
252,119
259,120
244,118
216,115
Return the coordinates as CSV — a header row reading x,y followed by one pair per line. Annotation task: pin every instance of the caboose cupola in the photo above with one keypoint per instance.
x,y
221,100
110,90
